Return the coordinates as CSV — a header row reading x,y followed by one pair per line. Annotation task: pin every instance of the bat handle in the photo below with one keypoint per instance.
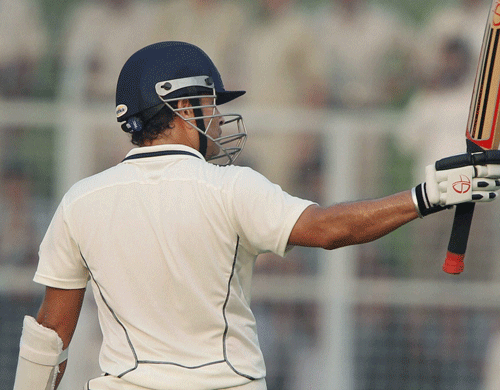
x,y
454,262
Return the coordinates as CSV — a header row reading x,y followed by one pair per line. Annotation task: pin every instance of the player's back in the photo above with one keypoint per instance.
x,y
168,271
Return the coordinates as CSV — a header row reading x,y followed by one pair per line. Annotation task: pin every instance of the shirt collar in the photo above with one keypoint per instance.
x,y
172,148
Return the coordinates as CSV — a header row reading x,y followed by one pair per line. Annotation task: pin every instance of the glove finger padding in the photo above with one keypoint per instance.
x,y
483,184
490,171
483,196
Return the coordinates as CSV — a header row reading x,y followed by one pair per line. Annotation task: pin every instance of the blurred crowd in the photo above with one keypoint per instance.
x,y
339,55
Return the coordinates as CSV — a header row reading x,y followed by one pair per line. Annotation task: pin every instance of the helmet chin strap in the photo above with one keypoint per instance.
x,y
200,123
203,138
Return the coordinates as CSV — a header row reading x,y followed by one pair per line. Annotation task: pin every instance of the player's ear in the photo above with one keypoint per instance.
x,y
186,108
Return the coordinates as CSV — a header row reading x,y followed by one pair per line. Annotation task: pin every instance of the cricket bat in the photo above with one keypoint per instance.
x,y
483,130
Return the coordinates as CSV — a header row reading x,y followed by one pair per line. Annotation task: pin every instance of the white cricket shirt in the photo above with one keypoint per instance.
x,y
169,243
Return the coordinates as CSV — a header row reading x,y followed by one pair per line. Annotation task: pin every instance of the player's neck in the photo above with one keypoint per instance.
x,y
174,137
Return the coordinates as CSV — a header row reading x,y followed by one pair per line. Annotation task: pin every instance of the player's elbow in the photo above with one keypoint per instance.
x,y
327,236
338,240
338,235
315,228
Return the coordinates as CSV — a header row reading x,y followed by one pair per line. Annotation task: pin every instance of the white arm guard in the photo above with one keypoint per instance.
x,y
41,352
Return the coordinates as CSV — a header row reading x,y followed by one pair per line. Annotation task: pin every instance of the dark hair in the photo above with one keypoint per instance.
x,y
153,127
162,120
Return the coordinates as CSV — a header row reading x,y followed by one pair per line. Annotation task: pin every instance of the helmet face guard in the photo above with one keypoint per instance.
x,y
231,141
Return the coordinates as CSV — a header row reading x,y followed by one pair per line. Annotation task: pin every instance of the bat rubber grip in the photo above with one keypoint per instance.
x,y
454,262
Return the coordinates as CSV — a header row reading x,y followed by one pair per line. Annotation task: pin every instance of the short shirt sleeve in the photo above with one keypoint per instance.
x,y
60,262
264,214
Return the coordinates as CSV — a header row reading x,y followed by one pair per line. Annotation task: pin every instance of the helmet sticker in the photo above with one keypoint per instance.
x,y
121,110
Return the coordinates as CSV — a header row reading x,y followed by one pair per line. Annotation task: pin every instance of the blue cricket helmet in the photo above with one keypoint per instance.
x,y
136,93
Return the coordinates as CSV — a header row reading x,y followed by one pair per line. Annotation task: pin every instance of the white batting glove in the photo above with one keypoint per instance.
x,y
460,185
447,187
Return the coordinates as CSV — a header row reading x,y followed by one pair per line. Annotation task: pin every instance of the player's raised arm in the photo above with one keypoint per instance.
x,y
360,222
352,223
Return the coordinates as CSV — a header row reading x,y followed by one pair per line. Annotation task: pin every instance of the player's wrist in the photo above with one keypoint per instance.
x,y
421,201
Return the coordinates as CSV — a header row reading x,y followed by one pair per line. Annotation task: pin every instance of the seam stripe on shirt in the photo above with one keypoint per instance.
x,y
224,337
116,319
180,365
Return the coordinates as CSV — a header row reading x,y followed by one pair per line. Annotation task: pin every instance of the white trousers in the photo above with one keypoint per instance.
x,y
113,383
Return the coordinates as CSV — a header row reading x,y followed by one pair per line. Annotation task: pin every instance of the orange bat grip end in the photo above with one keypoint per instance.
x,y
454,263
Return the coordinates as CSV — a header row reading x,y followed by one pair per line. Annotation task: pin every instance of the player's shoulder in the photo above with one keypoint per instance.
x,y
232,172
239,178
96,182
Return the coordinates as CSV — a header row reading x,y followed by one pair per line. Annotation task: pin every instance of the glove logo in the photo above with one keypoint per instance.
x,y
463,185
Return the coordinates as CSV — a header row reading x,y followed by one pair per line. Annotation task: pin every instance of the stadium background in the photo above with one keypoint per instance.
x,y
378,316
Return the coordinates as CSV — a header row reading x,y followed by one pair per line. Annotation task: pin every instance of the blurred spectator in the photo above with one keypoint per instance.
x,y
218,27
99,36
463,19
23,38
283,63
491,375
288,333
368,49
284,69
310,167
420,347
441,107
18,233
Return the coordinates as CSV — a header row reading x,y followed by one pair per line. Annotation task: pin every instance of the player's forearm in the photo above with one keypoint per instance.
x,y
60,310
353,223
368,220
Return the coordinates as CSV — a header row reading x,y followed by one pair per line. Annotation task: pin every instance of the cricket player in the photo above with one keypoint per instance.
x,y
169,241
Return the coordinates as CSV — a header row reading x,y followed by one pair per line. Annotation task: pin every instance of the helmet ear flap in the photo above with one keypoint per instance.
x,y
133,124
